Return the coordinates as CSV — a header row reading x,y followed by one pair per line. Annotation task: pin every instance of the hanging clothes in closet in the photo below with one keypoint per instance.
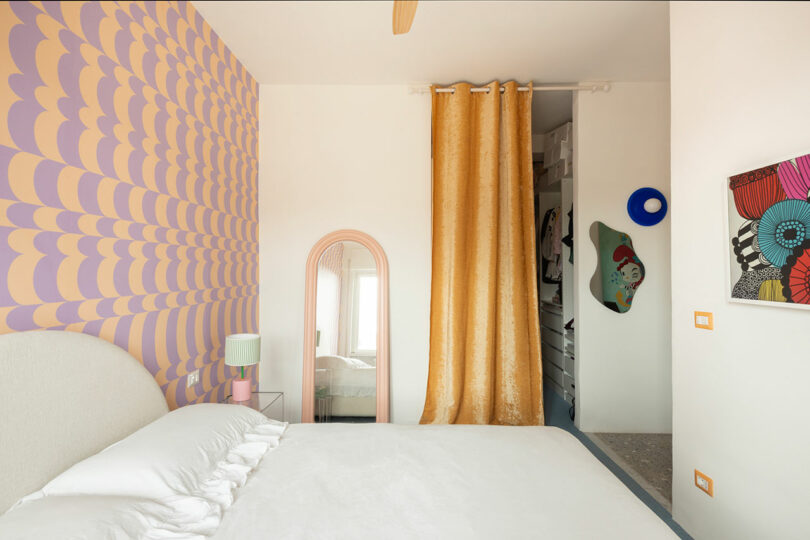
x,y
551,248
568,239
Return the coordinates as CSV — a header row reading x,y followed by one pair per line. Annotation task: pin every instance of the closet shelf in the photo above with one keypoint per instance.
x,y
558,153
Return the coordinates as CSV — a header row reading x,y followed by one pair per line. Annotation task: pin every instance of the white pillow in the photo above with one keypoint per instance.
x,y
190,460
94,517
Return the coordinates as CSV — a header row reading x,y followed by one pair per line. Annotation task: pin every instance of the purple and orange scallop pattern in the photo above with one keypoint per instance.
x,y
128,184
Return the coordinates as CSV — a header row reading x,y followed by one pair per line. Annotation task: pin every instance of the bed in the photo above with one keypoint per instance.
x,y
351,384
275,480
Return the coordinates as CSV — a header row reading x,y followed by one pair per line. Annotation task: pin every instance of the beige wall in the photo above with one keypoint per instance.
x,y
741,399
623,363
337,157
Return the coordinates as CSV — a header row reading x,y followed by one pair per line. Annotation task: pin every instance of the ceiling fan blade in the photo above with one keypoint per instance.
x,y
404,11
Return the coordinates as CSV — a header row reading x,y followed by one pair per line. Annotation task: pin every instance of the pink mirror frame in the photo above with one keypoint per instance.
x,y
308,391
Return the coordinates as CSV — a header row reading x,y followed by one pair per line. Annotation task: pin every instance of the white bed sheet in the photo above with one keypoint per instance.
x,y
389,481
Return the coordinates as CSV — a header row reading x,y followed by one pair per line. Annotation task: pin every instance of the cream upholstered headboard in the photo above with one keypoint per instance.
x,y
65,396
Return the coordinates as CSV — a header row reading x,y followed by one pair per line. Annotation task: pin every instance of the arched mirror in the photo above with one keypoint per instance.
x,y
346,331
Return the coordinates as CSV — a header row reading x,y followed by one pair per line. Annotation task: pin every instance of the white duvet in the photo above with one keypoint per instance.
x,y
389,481
334,481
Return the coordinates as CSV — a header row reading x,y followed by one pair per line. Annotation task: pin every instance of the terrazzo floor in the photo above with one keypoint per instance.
x,y
557,415
646,456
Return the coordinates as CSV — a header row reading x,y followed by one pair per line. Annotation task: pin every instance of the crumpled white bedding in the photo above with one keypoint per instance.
x,y
170,479
95,517
343,481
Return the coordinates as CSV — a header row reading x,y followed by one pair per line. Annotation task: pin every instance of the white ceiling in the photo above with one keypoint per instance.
x,y
349,42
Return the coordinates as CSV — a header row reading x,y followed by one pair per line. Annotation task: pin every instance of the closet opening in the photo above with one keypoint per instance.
x,y
553,153
563,286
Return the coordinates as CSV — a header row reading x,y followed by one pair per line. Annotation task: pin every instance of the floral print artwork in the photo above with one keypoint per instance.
x,y
769,224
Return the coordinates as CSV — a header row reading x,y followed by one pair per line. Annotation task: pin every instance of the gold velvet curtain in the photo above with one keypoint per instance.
x,y
485,363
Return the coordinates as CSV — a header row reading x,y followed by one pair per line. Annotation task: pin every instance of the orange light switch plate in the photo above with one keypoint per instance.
x,y
704,482
704,319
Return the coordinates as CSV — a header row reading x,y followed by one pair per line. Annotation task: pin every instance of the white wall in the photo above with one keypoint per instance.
x,y
337,157
741,400
623,360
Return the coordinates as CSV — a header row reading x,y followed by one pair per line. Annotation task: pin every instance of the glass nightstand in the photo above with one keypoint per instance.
x,y
266,403
323,408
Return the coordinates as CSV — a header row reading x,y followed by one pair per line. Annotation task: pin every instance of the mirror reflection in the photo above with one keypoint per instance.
x,y
619,271
346,335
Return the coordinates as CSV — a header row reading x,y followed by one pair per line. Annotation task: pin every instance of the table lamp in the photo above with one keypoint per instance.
x,y
242,350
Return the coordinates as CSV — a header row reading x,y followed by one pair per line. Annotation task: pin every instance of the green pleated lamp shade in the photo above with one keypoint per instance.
x,y
242,349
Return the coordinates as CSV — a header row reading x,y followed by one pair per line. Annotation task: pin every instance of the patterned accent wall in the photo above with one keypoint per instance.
x,y
128,184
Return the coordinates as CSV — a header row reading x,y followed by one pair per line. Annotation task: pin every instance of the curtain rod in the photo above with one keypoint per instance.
x,y
595,87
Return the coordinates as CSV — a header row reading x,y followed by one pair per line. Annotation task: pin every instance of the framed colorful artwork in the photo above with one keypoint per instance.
x,y
769,234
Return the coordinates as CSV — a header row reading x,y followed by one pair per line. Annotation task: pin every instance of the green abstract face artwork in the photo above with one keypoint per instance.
x,y
619,271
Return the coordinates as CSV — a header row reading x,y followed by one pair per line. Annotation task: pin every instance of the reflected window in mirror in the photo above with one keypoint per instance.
x,y
364,315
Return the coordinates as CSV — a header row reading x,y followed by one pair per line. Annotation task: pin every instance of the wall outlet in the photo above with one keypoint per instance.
x,y
704,319
704,483
193,378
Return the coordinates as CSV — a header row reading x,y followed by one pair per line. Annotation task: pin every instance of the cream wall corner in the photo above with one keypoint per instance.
x,y
335,157
741,399
623,361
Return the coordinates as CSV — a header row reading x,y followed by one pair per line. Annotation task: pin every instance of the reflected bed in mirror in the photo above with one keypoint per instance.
x,y
346,356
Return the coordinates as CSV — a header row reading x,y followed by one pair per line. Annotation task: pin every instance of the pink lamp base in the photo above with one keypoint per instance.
x,y
240,389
